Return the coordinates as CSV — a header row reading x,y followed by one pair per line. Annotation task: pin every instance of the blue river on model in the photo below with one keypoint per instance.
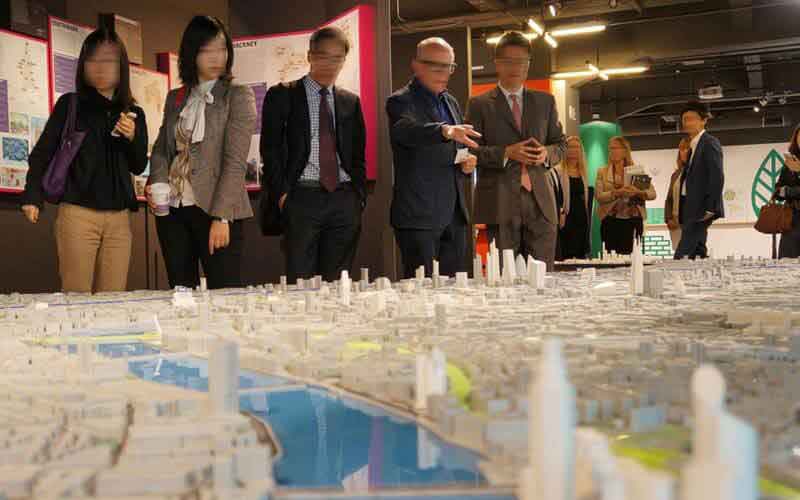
x,y
328,441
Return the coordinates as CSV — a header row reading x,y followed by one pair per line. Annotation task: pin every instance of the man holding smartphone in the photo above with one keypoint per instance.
x,y
522,139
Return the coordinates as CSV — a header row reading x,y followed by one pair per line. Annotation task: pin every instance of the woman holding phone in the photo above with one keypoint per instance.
x,y
788,189
92,228
200,157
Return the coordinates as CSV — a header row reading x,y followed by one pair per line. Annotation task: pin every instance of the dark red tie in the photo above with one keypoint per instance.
x,y
328,166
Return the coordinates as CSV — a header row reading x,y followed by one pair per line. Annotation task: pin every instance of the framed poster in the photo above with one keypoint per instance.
x,y
23,104
149,88
167,63
66,39
129,31
266,60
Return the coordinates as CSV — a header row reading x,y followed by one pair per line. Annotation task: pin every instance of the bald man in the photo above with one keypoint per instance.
x,y
432,164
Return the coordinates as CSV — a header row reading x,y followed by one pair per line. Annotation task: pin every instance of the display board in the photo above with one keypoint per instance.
x,y
750,175
149,88
167,63
266,60
66,39
23,104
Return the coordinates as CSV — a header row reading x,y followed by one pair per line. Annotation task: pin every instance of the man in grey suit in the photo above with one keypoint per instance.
x,y
522,139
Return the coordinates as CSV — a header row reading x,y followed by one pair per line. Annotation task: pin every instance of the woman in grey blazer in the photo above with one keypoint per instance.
x,y
201,153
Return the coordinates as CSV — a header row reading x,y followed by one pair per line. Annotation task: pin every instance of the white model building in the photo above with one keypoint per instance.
x,y
431,377
637,268
223,377
551,430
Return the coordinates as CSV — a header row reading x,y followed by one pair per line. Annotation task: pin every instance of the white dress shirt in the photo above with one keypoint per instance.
x,y
693,146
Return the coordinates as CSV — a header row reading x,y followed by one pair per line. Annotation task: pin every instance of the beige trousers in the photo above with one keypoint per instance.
x,y
94,249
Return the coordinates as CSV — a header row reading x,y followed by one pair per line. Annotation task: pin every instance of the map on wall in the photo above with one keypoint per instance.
x,y
750,172
149,88
23,104
66,39
264,61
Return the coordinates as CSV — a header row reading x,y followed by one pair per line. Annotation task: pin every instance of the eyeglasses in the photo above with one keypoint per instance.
x,y
513,62
323,58
103,62
439,67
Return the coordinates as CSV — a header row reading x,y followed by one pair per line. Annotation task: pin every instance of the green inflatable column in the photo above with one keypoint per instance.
x,y
595,136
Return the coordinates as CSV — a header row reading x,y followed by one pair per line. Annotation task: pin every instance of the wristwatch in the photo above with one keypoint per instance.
x,y
448,132
220,219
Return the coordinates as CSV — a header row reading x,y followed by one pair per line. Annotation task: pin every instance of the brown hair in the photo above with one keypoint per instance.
x,y
686,143
625,144
793,147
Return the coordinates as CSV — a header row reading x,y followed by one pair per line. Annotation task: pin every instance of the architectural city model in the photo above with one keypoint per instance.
x,y
675,380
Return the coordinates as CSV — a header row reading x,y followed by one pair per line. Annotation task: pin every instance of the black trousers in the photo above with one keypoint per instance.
x,y
321,231
183,235
694,236
618,234
419,247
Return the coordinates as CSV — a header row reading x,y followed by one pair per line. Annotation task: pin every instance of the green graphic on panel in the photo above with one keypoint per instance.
x,y
657,245
595,136
765,180
655,215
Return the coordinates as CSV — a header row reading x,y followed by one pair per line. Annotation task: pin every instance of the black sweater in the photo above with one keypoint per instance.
x,y
791,181
100,176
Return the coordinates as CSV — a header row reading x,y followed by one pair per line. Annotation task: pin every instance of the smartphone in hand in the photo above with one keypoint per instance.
x,y
130,115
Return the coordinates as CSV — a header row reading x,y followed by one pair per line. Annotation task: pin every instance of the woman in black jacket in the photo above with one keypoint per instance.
x,y
788,188
92,229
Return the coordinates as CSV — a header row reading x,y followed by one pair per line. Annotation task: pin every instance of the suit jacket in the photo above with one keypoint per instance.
x,y
604,186
286,144
704,178
496,200
428,185
219,162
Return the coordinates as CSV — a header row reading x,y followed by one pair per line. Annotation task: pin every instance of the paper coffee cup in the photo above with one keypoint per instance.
x,y
160,191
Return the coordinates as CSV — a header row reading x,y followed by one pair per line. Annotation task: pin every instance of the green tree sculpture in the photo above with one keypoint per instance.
x,y
765,180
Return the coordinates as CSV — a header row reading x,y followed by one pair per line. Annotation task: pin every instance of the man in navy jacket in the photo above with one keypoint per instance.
x,y
702,182
432,165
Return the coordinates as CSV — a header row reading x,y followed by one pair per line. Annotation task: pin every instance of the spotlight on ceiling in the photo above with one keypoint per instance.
x,y
756,108
553,7
613,3
763,101
536,27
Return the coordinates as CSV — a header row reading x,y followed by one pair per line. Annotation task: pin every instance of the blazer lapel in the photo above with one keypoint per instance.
x,y
527,112
338,109
501,105
301,104
453,111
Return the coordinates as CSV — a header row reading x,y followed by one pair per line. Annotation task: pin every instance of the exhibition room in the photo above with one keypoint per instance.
x,y
400,249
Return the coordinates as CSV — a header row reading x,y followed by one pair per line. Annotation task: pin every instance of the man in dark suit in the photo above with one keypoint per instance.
x,y
312,141
702,180
431,165
522,139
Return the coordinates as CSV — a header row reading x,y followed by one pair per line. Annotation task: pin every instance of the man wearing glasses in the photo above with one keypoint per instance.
x,y
312,141
522,139
431,165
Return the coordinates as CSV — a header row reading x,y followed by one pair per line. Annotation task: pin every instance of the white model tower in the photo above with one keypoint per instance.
x,y
724,463
551,430
537,270
223,377
637,269
431,377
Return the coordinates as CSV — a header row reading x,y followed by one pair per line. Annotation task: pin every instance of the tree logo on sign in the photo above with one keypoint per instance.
x,y
765,180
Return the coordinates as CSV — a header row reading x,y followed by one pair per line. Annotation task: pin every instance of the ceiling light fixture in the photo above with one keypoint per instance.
x,y
494,40
579,30
608,72
550,40
536,27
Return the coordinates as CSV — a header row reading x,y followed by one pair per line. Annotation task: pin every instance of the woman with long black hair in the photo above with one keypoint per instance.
x,y
201,153
93,229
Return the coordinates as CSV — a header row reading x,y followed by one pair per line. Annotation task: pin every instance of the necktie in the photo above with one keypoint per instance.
x,y
516,112
328,166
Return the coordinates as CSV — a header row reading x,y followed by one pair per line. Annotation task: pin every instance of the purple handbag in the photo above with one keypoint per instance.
x,y
54,182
